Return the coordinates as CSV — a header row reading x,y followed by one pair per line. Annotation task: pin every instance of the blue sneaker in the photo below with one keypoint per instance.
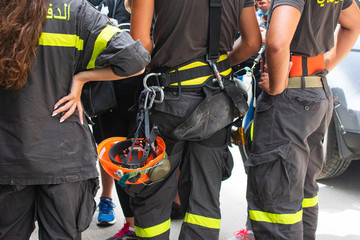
x,y
106,215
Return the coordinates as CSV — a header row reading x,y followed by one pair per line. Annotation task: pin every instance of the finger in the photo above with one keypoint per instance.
x,y
61,101
290,65
262,87
264,76
265,67
81,113
63,108
68,113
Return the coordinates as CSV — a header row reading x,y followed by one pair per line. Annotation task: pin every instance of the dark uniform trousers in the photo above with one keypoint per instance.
x,y
202,166
63,210
286,159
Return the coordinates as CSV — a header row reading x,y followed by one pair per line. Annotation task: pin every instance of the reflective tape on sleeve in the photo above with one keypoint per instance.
x,y
101,42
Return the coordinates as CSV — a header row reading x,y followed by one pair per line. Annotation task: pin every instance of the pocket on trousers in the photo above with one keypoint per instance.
x,y
268,180
88,205
264,102
309,97
174,108
227,165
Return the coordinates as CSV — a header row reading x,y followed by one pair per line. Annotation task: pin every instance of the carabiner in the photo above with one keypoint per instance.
x,y
146,78
216,72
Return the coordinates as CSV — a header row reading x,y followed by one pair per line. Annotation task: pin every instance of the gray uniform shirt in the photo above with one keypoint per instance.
x,y
315,32
34,147
181,29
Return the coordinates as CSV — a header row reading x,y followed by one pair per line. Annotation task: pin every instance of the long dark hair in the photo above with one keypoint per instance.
x,y
21,23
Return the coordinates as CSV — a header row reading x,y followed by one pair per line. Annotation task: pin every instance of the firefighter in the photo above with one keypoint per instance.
x,y
294,112
179,57
48,165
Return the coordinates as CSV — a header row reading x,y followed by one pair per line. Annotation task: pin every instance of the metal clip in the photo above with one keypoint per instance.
x,y
119,173
216,72
147,77
257,59
151,95
152,90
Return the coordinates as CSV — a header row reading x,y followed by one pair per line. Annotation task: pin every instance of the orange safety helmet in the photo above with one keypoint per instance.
x,y
113,154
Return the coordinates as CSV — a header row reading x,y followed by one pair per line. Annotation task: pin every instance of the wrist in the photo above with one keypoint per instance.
x,y
80,78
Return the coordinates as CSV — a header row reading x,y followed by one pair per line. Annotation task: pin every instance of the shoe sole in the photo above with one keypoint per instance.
x,y
106,223
129,238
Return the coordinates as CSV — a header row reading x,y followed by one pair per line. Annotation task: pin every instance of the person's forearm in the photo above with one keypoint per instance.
x,y
242,50
250,41
280,33
278,64
101,74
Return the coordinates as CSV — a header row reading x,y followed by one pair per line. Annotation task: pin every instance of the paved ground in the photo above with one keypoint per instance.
x,y
339,200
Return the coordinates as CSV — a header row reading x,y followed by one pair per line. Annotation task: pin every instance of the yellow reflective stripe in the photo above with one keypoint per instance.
x,y
192,65
195,81
200,80
101,42
226,72
252,131
199,64
202,221
61,40
310,202
153,231
222,57
290,218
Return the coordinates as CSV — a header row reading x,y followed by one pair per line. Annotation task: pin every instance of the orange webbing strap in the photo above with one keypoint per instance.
x,y
305,66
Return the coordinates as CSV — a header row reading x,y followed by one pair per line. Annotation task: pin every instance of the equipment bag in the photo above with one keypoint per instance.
x,y
98,97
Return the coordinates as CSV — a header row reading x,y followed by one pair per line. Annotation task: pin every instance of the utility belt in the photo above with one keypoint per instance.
x,y
200,73
303,70
195,73
217,110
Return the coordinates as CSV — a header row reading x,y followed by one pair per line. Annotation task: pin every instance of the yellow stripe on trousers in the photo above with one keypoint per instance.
x,y
310,202
202,221
153,231
290,218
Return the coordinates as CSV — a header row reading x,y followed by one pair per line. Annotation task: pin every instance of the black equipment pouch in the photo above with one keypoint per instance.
x,y
237,96
215,112
98,97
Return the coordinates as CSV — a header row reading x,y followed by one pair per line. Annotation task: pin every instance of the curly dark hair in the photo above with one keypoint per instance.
x,y
21,23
